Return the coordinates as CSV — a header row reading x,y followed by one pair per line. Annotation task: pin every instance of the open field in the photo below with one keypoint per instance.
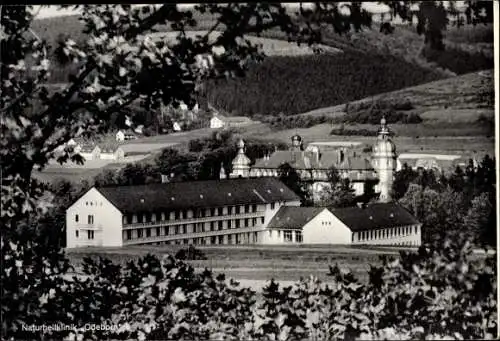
x,y
254,265
421,138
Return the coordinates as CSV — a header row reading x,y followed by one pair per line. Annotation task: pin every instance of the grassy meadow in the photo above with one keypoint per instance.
x,y
254,265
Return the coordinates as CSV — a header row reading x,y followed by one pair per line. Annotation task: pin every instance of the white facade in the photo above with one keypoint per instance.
x,y
94,154
93,221
325,228
117,154
216,123
120,136
176,126
410,235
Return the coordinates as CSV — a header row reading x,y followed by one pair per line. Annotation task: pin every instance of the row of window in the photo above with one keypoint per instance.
x,y
90,218
386,233
288,235
240,238
201,213
90,234
183,229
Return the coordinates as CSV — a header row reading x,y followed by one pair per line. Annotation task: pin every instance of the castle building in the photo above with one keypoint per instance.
x,y
313,166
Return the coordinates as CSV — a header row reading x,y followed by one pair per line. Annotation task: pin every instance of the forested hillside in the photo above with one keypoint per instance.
x,y
293,85
372,63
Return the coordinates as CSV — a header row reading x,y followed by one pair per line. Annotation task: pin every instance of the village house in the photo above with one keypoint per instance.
x,y
111,151
218,121
125,135
90,151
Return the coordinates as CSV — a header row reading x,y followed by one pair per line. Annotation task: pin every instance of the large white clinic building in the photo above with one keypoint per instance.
x,y
224,212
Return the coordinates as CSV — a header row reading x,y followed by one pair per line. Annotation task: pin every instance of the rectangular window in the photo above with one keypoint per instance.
x,y
129,234
139,233
237,223
254,208
220,211
247,208
237,239
90,219
166,230
219,225
246,222
183,229
76,218
176,229
416,229
229,239
298,236
221,240
237,209
212,240
272,206
158,231
76,233
184,214
261,220
279,233
177,215
90,234
148,233
212,226
212,212
229,224
230,210
287,235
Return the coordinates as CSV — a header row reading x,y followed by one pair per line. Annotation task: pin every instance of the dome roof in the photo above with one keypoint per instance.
x,y
241,159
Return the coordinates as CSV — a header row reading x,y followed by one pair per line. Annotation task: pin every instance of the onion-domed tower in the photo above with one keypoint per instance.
x,y
241,163
384,161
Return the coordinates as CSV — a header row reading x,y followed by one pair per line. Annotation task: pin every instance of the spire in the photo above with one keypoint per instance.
x,y
383,132
241,163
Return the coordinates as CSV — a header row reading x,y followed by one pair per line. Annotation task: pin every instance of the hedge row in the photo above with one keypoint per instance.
x,y
438,292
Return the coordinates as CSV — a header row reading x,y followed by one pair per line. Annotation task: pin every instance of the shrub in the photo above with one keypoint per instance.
x,y
440,291
459,61
191,253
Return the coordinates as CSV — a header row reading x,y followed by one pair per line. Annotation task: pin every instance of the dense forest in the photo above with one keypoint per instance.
x,y
293,85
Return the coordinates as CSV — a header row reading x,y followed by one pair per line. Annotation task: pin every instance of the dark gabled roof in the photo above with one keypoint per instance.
x,y
109,147
308,160
293,217
197,194
374,216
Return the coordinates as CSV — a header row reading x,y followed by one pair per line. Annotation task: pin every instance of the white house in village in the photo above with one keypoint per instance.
x,y
90,151
218,121
111,151
176,127
125,135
